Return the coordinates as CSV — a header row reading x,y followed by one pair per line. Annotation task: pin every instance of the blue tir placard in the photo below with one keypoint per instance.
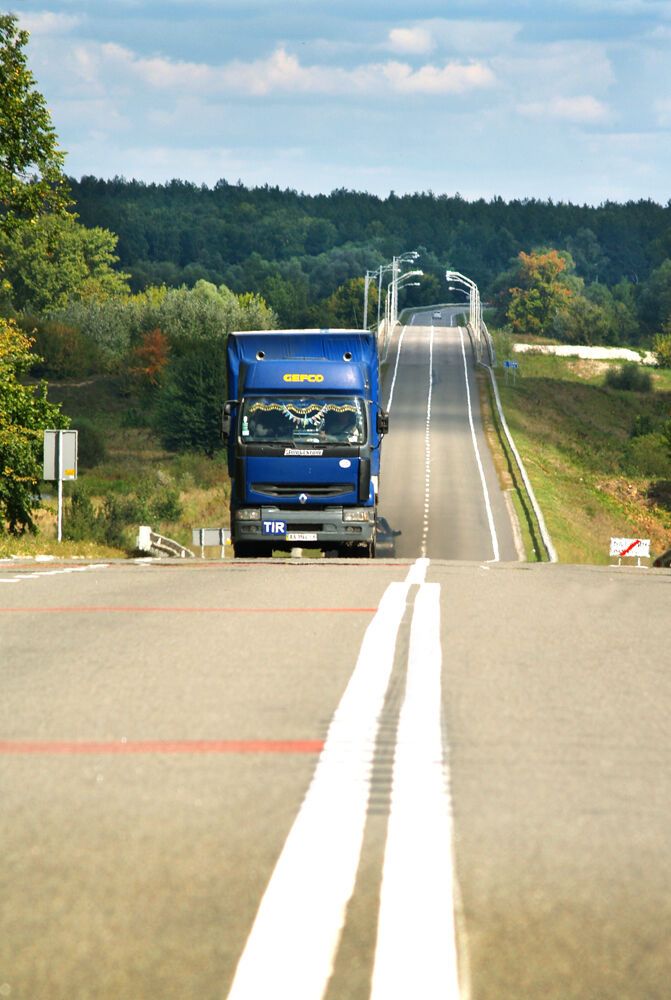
x,y
274,528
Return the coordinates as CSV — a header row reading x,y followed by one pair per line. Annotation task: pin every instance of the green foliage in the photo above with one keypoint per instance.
x,y
24,414
643,424
56,260
118,326
666,434
62,351
31,177
630,377
92,449
111,524
188,412
541,291
655,298
648,455
661,346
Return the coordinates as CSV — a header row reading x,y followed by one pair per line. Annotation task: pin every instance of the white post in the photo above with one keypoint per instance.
x,y
365,300
60,485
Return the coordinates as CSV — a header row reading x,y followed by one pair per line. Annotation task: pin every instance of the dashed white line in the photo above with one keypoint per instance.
x,y
292,945
19,578
416,951
427,451
488,506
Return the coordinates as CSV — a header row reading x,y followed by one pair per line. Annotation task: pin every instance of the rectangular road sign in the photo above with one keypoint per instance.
x,y
68,453
511,364
630,548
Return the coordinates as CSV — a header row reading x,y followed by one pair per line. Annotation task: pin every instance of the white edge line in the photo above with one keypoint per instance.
x,y
488,506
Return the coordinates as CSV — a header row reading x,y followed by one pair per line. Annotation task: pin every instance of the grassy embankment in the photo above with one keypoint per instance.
x,y
594,454
136,473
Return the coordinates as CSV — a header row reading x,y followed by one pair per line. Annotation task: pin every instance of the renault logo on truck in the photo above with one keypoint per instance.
x,y
291,377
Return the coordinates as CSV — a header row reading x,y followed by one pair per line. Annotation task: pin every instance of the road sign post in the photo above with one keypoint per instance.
x,y
511,366
210,536
60,464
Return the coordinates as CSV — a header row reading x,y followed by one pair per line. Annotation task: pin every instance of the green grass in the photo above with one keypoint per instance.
x,y
135,468
593,480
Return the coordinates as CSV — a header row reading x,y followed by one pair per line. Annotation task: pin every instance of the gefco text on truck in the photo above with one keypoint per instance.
x,y
304,426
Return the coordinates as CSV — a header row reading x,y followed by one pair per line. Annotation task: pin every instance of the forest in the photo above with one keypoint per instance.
x,y
297,250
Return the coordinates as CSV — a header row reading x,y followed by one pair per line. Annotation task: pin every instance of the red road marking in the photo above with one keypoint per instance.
x,y
159,746
633,545
168,610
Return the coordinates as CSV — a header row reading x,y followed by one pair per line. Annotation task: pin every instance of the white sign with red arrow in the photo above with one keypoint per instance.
x,y
637,548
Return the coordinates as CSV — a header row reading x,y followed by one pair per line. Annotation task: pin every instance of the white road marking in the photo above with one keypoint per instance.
x,y
488,506
52,572
427,451
292,945
398,358
416,951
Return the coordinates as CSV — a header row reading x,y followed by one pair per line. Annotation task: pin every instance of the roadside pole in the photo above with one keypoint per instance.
x,y
60,463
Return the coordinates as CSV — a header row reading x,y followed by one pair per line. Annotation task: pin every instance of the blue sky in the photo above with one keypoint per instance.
x,y
518,98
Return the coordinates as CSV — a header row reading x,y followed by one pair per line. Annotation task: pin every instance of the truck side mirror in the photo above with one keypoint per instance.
x,y
382,422
226,421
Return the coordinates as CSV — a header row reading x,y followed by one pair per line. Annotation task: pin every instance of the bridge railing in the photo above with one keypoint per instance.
x,y
486,340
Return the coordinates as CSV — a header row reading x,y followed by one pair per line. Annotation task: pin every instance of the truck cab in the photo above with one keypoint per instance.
x,y
304,428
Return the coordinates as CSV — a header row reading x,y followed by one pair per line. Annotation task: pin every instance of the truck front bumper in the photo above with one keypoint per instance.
x,y
322,528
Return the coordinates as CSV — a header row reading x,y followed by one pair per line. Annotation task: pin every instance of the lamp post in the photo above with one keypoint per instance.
x,y
474,306
369,275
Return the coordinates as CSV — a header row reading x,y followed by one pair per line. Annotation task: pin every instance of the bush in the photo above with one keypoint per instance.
x,y
630,377
65,352
80,522
643,424
648,455
661,345
92,449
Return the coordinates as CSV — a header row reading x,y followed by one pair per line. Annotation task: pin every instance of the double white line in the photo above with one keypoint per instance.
x,y
292,947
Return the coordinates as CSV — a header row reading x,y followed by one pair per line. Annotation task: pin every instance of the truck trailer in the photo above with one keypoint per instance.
x,y
304,427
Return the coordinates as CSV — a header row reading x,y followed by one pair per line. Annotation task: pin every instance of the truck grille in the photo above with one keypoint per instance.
x,y
293,489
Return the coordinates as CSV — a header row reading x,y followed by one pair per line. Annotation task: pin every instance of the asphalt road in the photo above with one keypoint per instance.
x,y
439,492
435,778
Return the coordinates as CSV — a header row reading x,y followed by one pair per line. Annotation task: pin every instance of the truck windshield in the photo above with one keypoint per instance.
x,y
308,419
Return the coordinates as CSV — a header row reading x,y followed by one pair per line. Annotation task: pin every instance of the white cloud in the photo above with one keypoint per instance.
x,y
583,110
415,41
463,36
113,65
44,23
454,78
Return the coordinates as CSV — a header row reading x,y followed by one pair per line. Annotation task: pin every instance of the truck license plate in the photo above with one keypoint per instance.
x,y
301,536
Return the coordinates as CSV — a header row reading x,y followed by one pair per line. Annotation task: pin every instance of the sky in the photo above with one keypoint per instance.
x,y
511,98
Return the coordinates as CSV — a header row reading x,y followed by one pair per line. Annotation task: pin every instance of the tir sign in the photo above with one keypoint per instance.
x,y
274,527
291,377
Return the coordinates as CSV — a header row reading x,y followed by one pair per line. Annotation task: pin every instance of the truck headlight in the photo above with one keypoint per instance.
x,y
358,515
248,514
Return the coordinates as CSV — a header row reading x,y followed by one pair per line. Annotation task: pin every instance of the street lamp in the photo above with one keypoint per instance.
x,y
474,305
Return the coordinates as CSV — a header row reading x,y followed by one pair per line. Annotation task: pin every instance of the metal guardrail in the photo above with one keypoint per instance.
x,y
538,514
154,544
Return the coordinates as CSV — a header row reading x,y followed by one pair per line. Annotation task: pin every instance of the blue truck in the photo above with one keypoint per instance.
x,y
304,426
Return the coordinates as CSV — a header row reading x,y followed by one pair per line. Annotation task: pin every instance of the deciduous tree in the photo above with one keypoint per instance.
x,y
31,164
25,413
541,293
